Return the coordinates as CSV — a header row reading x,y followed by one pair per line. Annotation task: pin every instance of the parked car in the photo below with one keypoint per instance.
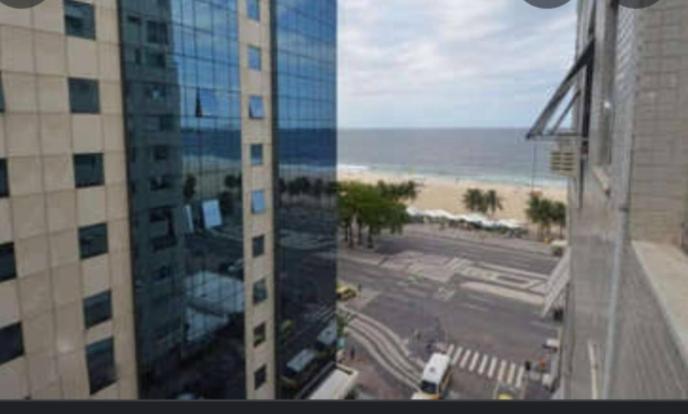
x,y
346,292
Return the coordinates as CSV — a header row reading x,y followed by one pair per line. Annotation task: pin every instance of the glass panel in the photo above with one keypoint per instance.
x,y
260,377
4,180
84,97
11,343
258,202
7,262
93,241
259,335
97,309
256,154
256,107
260,292
79,19
100,358
88,170
258,246
255,58
253,9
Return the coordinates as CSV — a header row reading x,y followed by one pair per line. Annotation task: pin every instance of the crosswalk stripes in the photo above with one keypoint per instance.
x,y
474,362
464,361
493,367
455,359
483,365
502,369
487,366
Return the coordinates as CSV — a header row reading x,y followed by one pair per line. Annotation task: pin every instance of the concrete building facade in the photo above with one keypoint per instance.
x,y
625,331
138,228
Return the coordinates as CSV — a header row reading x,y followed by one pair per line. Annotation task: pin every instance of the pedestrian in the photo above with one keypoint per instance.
x,y
352,353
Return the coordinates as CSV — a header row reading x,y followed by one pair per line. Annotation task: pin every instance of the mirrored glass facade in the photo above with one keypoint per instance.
x,y
304,83
182,103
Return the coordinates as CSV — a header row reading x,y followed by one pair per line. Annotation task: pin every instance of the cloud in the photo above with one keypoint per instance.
x,y
449,62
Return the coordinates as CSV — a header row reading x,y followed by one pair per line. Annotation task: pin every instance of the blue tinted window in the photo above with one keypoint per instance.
x,y
255,58
253,9
79,19
256,154
11,343
256,107
97,309
258,202
93,241
88,170
156,32
100,359
7,262
84,97
4,180
206,104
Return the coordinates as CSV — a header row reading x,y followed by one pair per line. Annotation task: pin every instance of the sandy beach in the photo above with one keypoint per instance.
x,y
447,194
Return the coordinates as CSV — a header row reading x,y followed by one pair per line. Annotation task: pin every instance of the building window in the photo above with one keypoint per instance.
x,y
156,33
100,358
93,241
4,181
260,377
259,335
256,155
2,96
8,270
255,58
79,19
97,309
258,246
206,103
258,202
256,108
11,343
253,9
260,292
88,170
84,96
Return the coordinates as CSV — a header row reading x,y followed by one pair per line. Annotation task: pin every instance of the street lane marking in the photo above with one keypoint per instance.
x,y
502,369
483,365
512,374
455,359
474,363
464,361
451,349
519,378
493,366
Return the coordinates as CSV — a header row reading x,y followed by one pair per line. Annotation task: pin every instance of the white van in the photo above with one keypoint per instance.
x,y
436,378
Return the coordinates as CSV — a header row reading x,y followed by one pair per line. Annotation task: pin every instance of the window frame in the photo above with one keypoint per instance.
x,y
17,349
257,158
95,253
253,10
4,179
260,335
86,108
255,58
260,292
260,377
97,309
89,29
258,202
99,164
258,246
256,107
11,270
104,351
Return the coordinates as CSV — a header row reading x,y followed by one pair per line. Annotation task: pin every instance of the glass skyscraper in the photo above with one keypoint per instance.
x,y
185,239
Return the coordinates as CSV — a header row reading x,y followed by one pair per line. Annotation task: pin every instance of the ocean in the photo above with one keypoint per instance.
x,y
486,155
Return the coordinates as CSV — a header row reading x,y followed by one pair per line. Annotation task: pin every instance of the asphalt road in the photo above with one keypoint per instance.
x,y
483,330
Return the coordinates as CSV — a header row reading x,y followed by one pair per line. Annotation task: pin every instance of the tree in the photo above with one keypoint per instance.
x,y
493,201
534,212
559,217
473,200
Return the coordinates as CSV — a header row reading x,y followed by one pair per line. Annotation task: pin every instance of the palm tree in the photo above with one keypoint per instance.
x,y
534,212
473,200
493,201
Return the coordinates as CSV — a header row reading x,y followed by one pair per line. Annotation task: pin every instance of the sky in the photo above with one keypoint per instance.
x,y
450,63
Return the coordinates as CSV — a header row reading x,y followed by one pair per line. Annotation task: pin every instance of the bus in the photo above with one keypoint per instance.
x,y
436,378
